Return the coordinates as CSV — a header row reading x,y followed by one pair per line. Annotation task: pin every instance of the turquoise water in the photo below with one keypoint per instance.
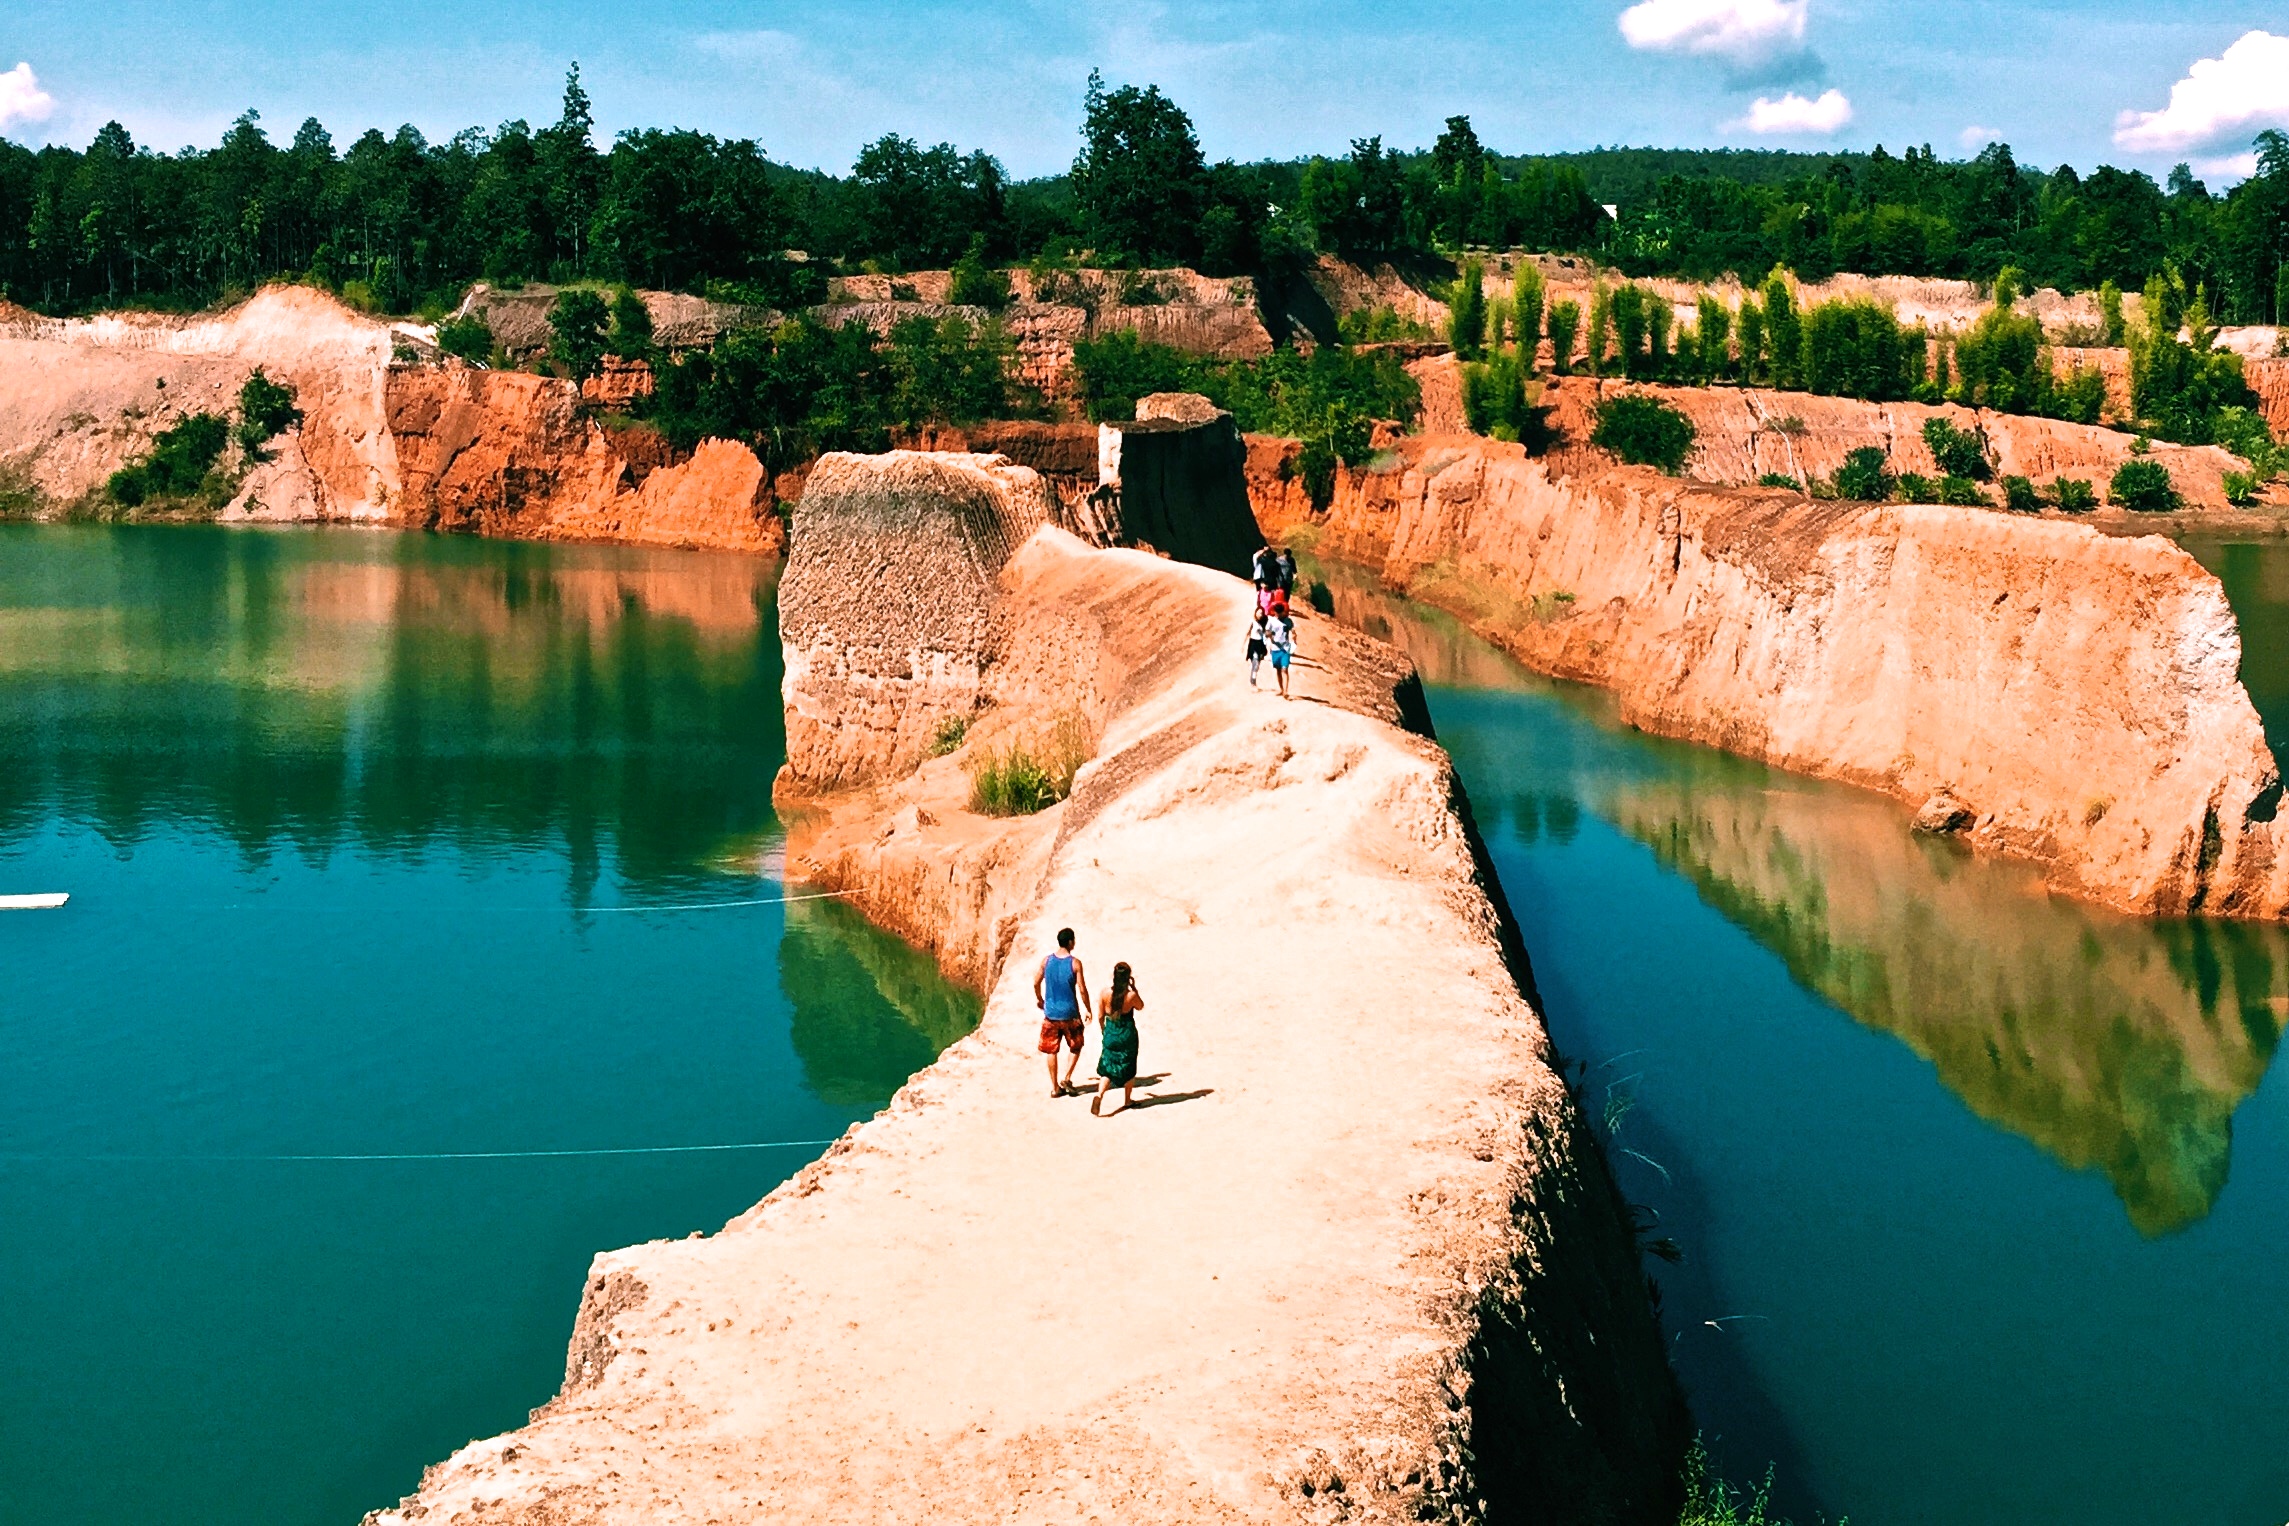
x,y
1981,1195
350,823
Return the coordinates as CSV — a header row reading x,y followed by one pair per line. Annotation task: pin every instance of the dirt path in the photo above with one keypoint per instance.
x,y
1351,1257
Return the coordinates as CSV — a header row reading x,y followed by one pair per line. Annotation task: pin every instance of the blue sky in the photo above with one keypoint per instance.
x,y
1262,78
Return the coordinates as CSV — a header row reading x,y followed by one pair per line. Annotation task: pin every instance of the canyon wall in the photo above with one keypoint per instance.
x,y
1353,1257
382,440
1742,433
2055,693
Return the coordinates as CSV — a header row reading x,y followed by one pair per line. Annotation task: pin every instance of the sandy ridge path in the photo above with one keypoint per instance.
x,y
1252,1301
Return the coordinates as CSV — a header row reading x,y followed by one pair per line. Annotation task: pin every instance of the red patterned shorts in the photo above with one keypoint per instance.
x,y
1054,1033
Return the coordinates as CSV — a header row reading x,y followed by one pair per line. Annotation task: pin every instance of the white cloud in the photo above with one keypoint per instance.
x,y
1979,137
2231,167
2247,87
22,99
1792,113
1744,31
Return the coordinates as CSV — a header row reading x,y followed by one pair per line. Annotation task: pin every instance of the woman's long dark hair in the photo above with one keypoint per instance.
x,y
1121,978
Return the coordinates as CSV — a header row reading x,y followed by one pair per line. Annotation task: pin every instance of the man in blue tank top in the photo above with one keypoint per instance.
x,y
1061,991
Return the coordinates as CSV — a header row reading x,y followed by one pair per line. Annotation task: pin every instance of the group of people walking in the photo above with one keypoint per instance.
x,y
1271,629
1061,991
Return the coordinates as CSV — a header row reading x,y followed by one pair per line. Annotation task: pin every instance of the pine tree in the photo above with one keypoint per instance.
x,y
1526,314
1784,332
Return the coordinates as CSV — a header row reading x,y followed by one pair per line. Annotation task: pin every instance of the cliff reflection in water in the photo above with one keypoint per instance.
x,y
311,689
869,1009
2112,1043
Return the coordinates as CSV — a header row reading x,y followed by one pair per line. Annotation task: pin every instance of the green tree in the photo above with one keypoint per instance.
x,y
631,326
1466,320
1601,326
1565,322
1751,324
265,411
2110,313
1784,335
577,325
1854,347
1140,180
1959,452
1715,326
1526,296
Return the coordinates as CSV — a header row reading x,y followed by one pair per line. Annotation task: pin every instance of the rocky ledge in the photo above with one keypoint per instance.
x,y
1357,1259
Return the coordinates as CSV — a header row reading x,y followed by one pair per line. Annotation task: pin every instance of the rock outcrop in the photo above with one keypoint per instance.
x,y
511,454
1384,1278
1175,480
887,600
2079,693
80,398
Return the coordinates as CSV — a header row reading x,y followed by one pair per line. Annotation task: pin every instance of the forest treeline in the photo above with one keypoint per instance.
x,y
398,223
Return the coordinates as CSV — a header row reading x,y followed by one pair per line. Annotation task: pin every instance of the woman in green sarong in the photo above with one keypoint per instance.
x,y
1117,1041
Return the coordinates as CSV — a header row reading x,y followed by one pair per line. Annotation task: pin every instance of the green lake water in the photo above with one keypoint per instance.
x,y
1982,1196
373,843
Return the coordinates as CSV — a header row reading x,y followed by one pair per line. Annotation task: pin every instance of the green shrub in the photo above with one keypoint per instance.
x,y
2245,432
2178,387
2020,497
2241,488
1780,479
265,411
176,466
1494,403
1864,475
2142,485
2081,398
948,737
1018,781
2074,495
1962,492
1711,1501
1380,325
1959,452
976,283
470,338
631,326
1917,488
1644,431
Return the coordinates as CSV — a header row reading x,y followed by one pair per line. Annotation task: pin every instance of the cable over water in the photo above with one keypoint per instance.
x,y
701,1149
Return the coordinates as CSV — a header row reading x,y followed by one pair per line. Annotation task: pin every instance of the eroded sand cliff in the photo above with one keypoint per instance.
x,y
2062,695
1358,1260
424,445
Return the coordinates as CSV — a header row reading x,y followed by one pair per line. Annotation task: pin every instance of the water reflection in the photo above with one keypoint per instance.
x,y
2112,1043
310,689
869,1009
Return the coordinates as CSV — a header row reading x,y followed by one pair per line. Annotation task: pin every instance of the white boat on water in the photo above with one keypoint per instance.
x,y
33,902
